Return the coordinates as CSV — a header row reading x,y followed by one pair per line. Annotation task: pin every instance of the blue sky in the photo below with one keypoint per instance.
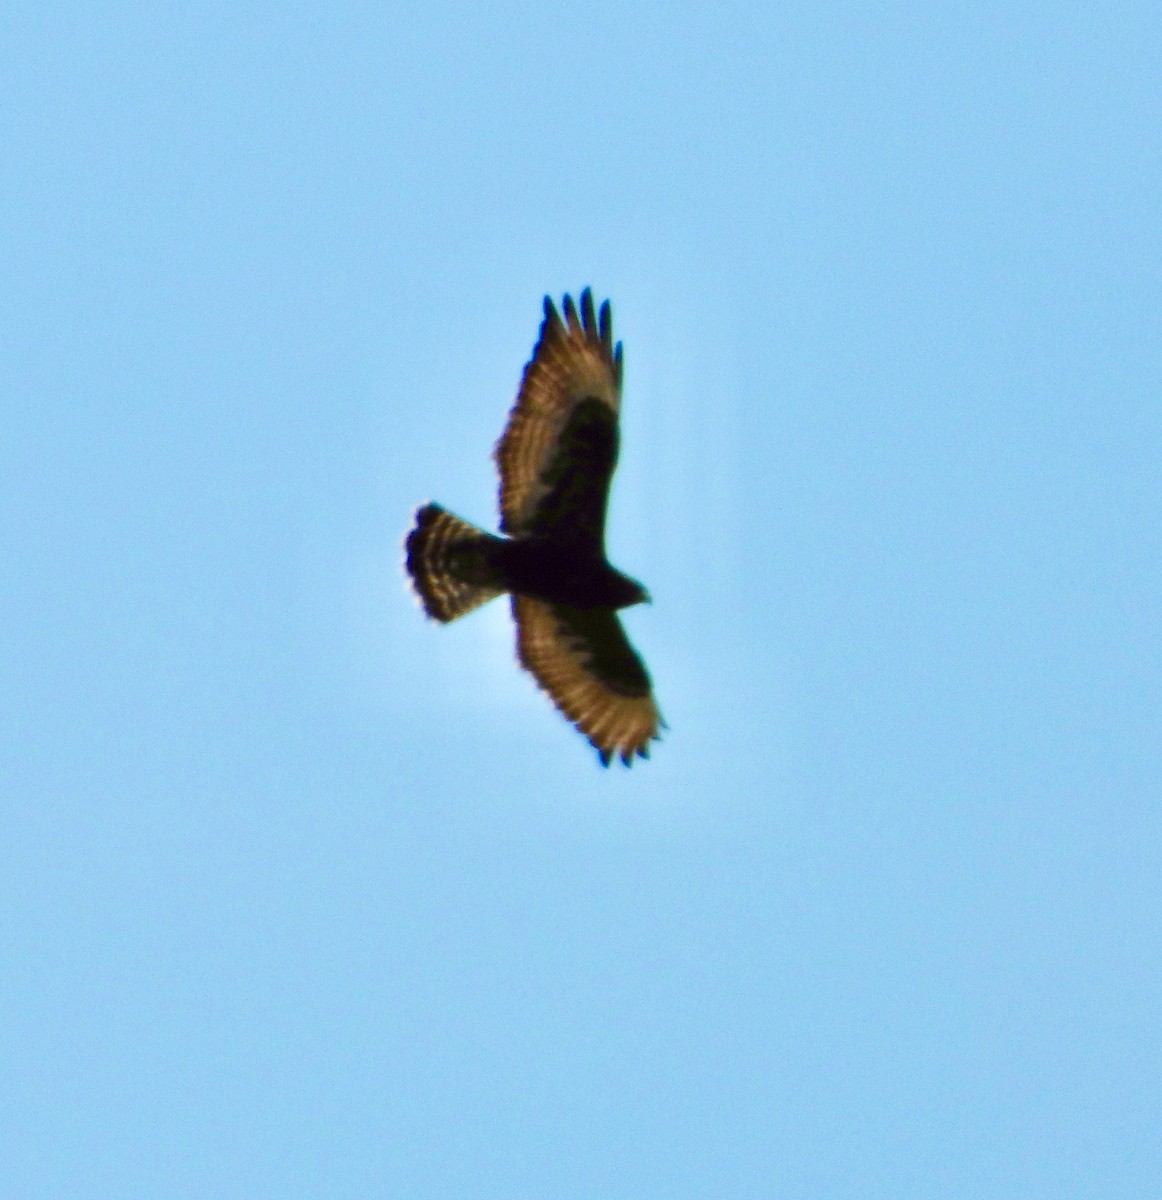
x,y
301,896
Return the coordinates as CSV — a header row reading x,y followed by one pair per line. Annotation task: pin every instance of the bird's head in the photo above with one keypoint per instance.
x,y
629,592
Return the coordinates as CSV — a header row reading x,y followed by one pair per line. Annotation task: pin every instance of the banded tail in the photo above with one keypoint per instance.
x,y
450,564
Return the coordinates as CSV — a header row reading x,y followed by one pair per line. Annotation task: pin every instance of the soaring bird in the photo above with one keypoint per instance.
x,y
555,458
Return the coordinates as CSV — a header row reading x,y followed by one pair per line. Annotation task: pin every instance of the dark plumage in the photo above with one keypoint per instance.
x,y
556,459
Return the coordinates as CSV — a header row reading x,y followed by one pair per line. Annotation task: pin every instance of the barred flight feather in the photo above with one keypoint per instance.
x,y
446,560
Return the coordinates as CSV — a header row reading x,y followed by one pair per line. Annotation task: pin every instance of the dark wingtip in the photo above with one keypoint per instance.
x,y
570,312
552,319
626,757
588,320
605,330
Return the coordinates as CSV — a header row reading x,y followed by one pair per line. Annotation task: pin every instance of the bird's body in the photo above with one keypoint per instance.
x,y
562,574
556,458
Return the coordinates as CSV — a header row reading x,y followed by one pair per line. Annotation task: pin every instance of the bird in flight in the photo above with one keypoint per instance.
x,y
555,458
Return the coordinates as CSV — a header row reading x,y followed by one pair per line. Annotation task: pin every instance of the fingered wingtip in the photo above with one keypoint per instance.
x,y
626,755
588,317
570,310
583,316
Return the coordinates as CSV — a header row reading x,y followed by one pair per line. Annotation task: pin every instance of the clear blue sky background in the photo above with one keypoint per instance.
x,y
302,896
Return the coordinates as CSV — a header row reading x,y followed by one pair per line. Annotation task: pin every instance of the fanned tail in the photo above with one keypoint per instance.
x,y
450,564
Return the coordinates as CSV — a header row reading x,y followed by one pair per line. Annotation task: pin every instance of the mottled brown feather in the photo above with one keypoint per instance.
x,y
584,662
574,359
449,574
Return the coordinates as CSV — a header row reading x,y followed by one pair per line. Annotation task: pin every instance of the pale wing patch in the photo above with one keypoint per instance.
x,y
617,714
574,358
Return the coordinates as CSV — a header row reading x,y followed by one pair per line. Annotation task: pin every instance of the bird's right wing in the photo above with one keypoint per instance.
x,y
583,660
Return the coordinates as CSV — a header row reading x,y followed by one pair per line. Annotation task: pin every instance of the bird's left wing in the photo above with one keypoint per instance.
x,y
559,448
583,660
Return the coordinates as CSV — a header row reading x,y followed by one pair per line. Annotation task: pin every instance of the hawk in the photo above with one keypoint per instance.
x,y
556,459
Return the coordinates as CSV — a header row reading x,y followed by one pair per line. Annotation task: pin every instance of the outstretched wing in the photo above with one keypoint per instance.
x,y
558,450
583,660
